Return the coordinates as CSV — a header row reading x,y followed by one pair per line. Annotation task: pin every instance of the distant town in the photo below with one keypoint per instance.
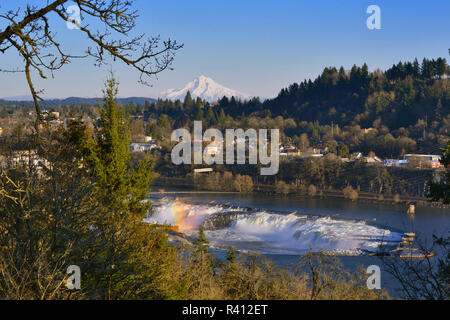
x,y
314,165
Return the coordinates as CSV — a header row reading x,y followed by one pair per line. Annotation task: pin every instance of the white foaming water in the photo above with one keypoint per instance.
x,y
274,233
188,217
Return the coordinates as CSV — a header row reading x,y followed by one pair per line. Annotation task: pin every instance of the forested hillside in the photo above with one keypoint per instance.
x,y
397,97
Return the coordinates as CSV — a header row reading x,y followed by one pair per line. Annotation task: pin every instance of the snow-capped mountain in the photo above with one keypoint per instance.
x,y
205,88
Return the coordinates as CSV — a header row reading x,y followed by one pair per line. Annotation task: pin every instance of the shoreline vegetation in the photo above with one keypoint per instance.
x,y
168,185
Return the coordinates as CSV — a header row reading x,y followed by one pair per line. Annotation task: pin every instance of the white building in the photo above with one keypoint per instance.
x,y
142,147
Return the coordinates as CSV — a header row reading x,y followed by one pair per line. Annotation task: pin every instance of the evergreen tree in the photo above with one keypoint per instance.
x,y
365,71
342,74
198,113
428,70
409,69
199,102
416,68
424,69
163,122
202,244
231,255
221,117
132,258
210,117
188,101
441,191
441,67
121,188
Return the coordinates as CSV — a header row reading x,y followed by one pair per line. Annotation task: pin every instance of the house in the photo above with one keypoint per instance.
x,y
142,147
24,158
147,139
356,156
393,162
373,160
288,150
50,115
287,146
141,138
319,149
423,160
55,114
367,130
293,153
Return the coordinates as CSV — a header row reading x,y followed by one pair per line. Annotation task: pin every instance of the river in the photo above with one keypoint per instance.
x,y
282,228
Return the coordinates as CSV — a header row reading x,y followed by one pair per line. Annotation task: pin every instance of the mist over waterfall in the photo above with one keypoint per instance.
x,y
273,232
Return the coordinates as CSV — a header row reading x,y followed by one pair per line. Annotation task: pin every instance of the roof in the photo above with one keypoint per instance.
x,y
422,155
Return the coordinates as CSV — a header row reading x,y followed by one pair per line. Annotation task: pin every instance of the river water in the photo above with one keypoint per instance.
x,y
282,228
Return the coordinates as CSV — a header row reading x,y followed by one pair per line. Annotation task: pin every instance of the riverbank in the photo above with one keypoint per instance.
x,y
166,185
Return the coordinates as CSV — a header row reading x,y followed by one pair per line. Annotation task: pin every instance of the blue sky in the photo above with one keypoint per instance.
x,y
256,47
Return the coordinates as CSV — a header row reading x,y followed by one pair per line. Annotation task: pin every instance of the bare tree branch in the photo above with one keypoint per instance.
x,y
30,34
